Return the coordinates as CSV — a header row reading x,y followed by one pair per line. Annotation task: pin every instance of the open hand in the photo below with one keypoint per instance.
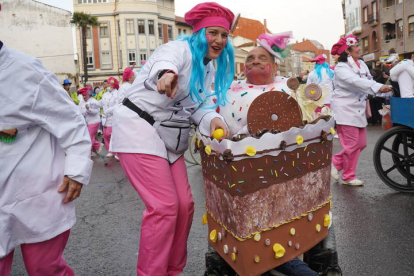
x,y
168,84
72,187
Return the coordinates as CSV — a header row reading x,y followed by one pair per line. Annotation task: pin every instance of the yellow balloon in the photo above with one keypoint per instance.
x,y
218,133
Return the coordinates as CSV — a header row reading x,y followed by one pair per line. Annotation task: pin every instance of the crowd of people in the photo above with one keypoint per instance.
x,y
146,123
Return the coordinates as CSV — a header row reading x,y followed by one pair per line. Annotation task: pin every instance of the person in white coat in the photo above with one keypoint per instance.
x,y
128,78
108,103
323,76
44,165
403,73
90,109
151,130
353,83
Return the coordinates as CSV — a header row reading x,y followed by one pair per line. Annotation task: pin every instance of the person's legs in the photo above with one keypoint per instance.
x,y
93,128
178,255
107,133
296,267
338,159
46,258
6,264
151,177
350,139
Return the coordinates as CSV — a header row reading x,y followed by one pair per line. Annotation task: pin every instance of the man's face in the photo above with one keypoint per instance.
x,y
260,67
66,87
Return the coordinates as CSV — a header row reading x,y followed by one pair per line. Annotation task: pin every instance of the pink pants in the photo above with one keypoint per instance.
x,y
107,133
93,128
353,141
166,222
42,258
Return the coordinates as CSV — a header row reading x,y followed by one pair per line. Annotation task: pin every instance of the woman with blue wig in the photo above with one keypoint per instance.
x,y
323,76
151,128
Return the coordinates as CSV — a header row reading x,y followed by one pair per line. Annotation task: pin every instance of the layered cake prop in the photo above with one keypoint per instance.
x,y
267,193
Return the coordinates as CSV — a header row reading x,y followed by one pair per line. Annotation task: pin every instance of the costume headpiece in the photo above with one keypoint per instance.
x,y
276,44
86,91
209,14
128,73
343,44
321,59
113,82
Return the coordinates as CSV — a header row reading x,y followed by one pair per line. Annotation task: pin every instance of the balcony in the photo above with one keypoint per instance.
x,y
373,19
388,15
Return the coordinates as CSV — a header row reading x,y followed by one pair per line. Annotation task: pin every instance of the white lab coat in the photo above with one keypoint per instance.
x,y
108,103
325,82
52,141
349,97
123,91
91,114
132,134
403,73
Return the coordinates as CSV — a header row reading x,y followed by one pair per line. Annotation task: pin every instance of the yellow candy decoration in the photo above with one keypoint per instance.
x,y
208,150
205,221
218,133
299,140
292,231
257,237
213,235
333,131
326,220
279,250
256,259
318,228
250,151
233,257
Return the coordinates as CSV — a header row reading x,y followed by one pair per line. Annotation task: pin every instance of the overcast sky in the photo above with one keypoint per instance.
x,y
320,20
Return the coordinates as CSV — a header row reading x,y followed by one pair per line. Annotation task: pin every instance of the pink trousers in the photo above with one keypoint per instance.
x,y
353,141
166,223
93,128
107,133
42,258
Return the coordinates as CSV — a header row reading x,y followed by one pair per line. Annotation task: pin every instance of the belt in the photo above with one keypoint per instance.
x,y
141,113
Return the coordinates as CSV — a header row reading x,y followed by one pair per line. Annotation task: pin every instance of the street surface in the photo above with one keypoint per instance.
x,y
373,224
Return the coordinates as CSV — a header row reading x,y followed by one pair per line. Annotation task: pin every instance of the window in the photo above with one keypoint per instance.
x,y
170,32
132,57
103,30
119,28
130,27
159,30
365,18
400,29
365,49
179,32
141,26
411,25
185,31
374,41
374,11
151,30
91,64
88,32
106,60
143,55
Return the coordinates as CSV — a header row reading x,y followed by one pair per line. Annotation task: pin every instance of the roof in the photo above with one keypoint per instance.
x,y
181,21
250,28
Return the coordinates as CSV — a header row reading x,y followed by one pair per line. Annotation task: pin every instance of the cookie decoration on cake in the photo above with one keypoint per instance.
x,y
293,83
273,110
313,92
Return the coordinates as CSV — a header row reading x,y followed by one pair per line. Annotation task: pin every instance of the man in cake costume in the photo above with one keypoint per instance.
x,y
44,160
403,73
151,130
260,71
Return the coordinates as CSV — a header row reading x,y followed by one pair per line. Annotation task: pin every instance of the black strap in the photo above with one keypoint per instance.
x,y
141,113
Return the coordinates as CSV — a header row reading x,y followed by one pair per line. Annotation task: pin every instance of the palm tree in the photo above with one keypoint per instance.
x,y
83,21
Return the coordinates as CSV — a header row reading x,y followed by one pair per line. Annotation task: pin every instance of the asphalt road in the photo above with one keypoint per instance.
x,y
373,224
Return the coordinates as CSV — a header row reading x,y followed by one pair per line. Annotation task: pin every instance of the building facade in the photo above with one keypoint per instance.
x,y
352,13
41,31
370,36
128,33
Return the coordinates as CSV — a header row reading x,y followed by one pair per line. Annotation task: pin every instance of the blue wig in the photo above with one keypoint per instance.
x,y
318,70
225,69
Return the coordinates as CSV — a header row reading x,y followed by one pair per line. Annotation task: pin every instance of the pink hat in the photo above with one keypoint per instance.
x,y
209,14
86,91
128,73
343,44
113,82
321,59
276,44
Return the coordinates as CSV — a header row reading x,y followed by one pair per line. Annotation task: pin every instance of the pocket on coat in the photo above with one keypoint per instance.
x,y
174,135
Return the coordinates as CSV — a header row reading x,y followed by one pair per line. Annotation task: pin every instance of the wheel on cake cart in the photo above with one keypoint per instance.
x,y
394,158
190,156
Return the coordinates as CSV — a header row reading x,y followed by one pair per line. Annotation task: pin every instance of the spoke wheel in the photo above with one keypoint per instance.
x,y
394,158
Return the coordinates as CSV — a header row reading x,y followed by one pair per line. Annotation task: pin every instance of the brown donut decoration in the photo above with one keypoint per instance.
x,y
313,92
293,83
273,110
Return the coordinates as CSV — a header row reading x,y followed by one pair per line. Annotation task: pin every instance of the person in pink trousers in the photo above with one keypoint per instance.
x,y
108,103
353,83
90,110
151,130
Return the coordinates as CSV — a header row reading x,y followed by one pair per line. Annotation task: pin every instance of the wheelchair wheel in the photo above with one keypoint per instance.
x,y
394,158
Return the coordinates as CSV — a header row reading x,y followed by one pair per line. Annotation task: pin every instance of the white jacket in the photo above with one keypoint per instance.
x,y
108,103
348,101
132,134
91,114
403,73
52,141
325,82
122,92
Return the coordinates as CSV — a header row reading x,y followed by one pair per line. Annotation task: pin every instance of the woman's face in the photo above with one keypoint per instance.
x,y
217,39
86,97
131,79
355,52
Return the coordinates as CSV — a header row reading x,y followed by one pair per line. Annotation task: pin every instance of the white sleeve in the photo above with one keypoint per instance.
x,y
53,111
347,76
406,85
202,117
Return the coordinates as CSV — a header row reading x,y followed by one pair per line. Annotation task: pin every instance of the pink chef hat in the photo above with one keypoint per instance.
x,y
128,73
113,82
86,91
209,14
321,59
343,44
